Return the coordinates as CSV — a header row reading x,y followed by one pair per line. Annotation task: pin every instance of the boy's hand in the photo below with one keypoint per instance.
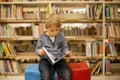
x,y
69,54
41,52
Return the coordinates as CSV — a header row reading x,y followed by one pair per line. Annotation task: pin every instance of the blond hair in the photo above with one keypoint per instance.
x,y
53,20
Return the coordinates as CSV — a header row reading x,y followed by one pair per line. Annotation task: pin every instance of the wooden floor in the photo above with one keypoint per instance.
x,y
21,77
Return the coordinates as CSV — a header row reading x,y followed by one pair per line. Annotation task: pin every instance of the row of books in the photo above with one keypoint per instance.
x,y
89,49
112,30
110,49
20,12
6,12
94,49
9,67
7,31
35,30
6,49
25,46
13,31
112,12
24,31
98,68
85,29
88,11
117,47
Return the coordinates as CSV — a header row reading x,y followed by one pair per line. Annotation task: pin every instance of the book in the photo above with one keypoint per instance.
x,y
51,58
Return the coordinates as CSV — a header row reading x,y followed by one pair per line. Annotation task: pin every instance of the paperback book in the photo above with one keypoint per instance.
x,y
51,58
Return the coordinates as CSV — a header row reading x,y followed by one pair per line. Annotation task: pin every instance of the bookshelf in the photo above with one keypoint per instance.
x,y
87,33
112,9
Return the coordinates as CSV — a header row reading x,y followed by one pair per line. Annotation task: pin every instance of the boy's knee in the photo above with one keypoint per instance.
x,y
47,77
67,75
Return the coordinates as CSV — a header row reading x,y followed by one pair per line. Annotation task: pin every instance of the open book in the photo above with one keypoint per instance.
x,y
51,58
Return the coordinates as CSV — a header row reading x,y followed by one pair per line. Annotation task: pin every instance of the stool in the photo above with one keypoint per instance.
x,y
32,73
80,71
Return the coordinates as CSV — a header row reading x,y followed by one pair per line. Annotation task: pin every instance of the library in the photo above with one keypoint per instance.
x,y
91,29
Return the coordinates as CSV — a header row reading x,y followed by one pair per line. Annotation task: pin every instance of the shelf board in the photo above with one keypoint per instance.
x,y
34,3
115,72
115,40
19,38
10,74
37,21
83,57
84,38
6,57
76,2
22,55
113,57
21,21
26,56
114,20
68,38
112,2
82,21
46,2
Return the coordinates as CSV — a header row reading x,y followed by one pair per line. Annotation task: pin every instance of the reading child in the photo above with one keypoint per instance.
x,y
54,42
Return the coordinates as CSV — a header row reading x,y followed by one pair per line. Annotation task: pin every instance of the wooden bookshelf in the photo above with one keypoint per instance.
x,y
63,5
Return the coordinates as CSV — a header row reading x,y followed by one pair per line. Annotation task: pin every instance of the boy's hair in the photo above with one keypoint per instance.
x,y
53,20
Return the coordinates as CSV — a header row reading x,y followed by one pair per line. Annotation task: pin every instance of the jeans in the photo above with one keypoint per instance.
x,y
47,70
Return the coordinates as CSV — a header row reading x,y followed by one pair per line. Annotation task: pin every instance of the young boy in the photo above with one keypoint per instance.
x,y
55,43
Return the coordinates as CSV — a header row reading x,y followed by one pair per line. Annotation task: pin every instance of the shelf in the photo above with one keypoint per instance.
x,y
115,40
80,38
69,38
115,72
113,57
75,3
44,4
32,55
6,57
112,2
19,38
10,74
40,21
84,38
84,57
21,21
114,20
47,2
82,21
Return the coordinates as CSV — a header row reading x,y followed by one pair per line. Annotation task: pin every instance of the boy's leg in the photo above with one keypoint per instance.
x,y
46,70
63,70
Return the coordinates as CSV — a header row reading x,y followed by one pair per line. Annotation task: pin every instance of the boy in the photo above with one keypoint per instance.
x,y
55,43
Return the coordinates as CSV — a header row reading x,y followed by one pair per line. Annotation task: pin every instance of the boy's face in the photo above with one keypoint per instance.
x,y
53,31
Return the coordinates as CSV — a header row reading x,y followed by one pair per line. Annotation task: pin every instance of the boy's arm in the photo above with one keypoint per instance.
x,y
64,44
39,46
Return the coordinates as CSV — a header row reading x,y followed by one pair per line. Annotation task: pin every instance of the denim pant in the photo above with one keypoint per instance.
x,y
47,70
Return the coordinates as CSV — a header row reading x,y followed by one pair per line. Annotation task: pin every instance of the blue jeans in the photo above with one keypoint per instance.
x,y
47,70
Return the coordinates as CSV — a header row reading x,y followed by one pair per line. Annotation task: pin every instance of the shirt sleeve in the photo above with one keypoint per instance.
x,y
65,45
39,45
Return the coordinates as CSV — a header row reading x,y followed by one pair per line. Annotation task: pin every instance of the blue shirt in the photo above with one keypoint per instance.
x,y
56,48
